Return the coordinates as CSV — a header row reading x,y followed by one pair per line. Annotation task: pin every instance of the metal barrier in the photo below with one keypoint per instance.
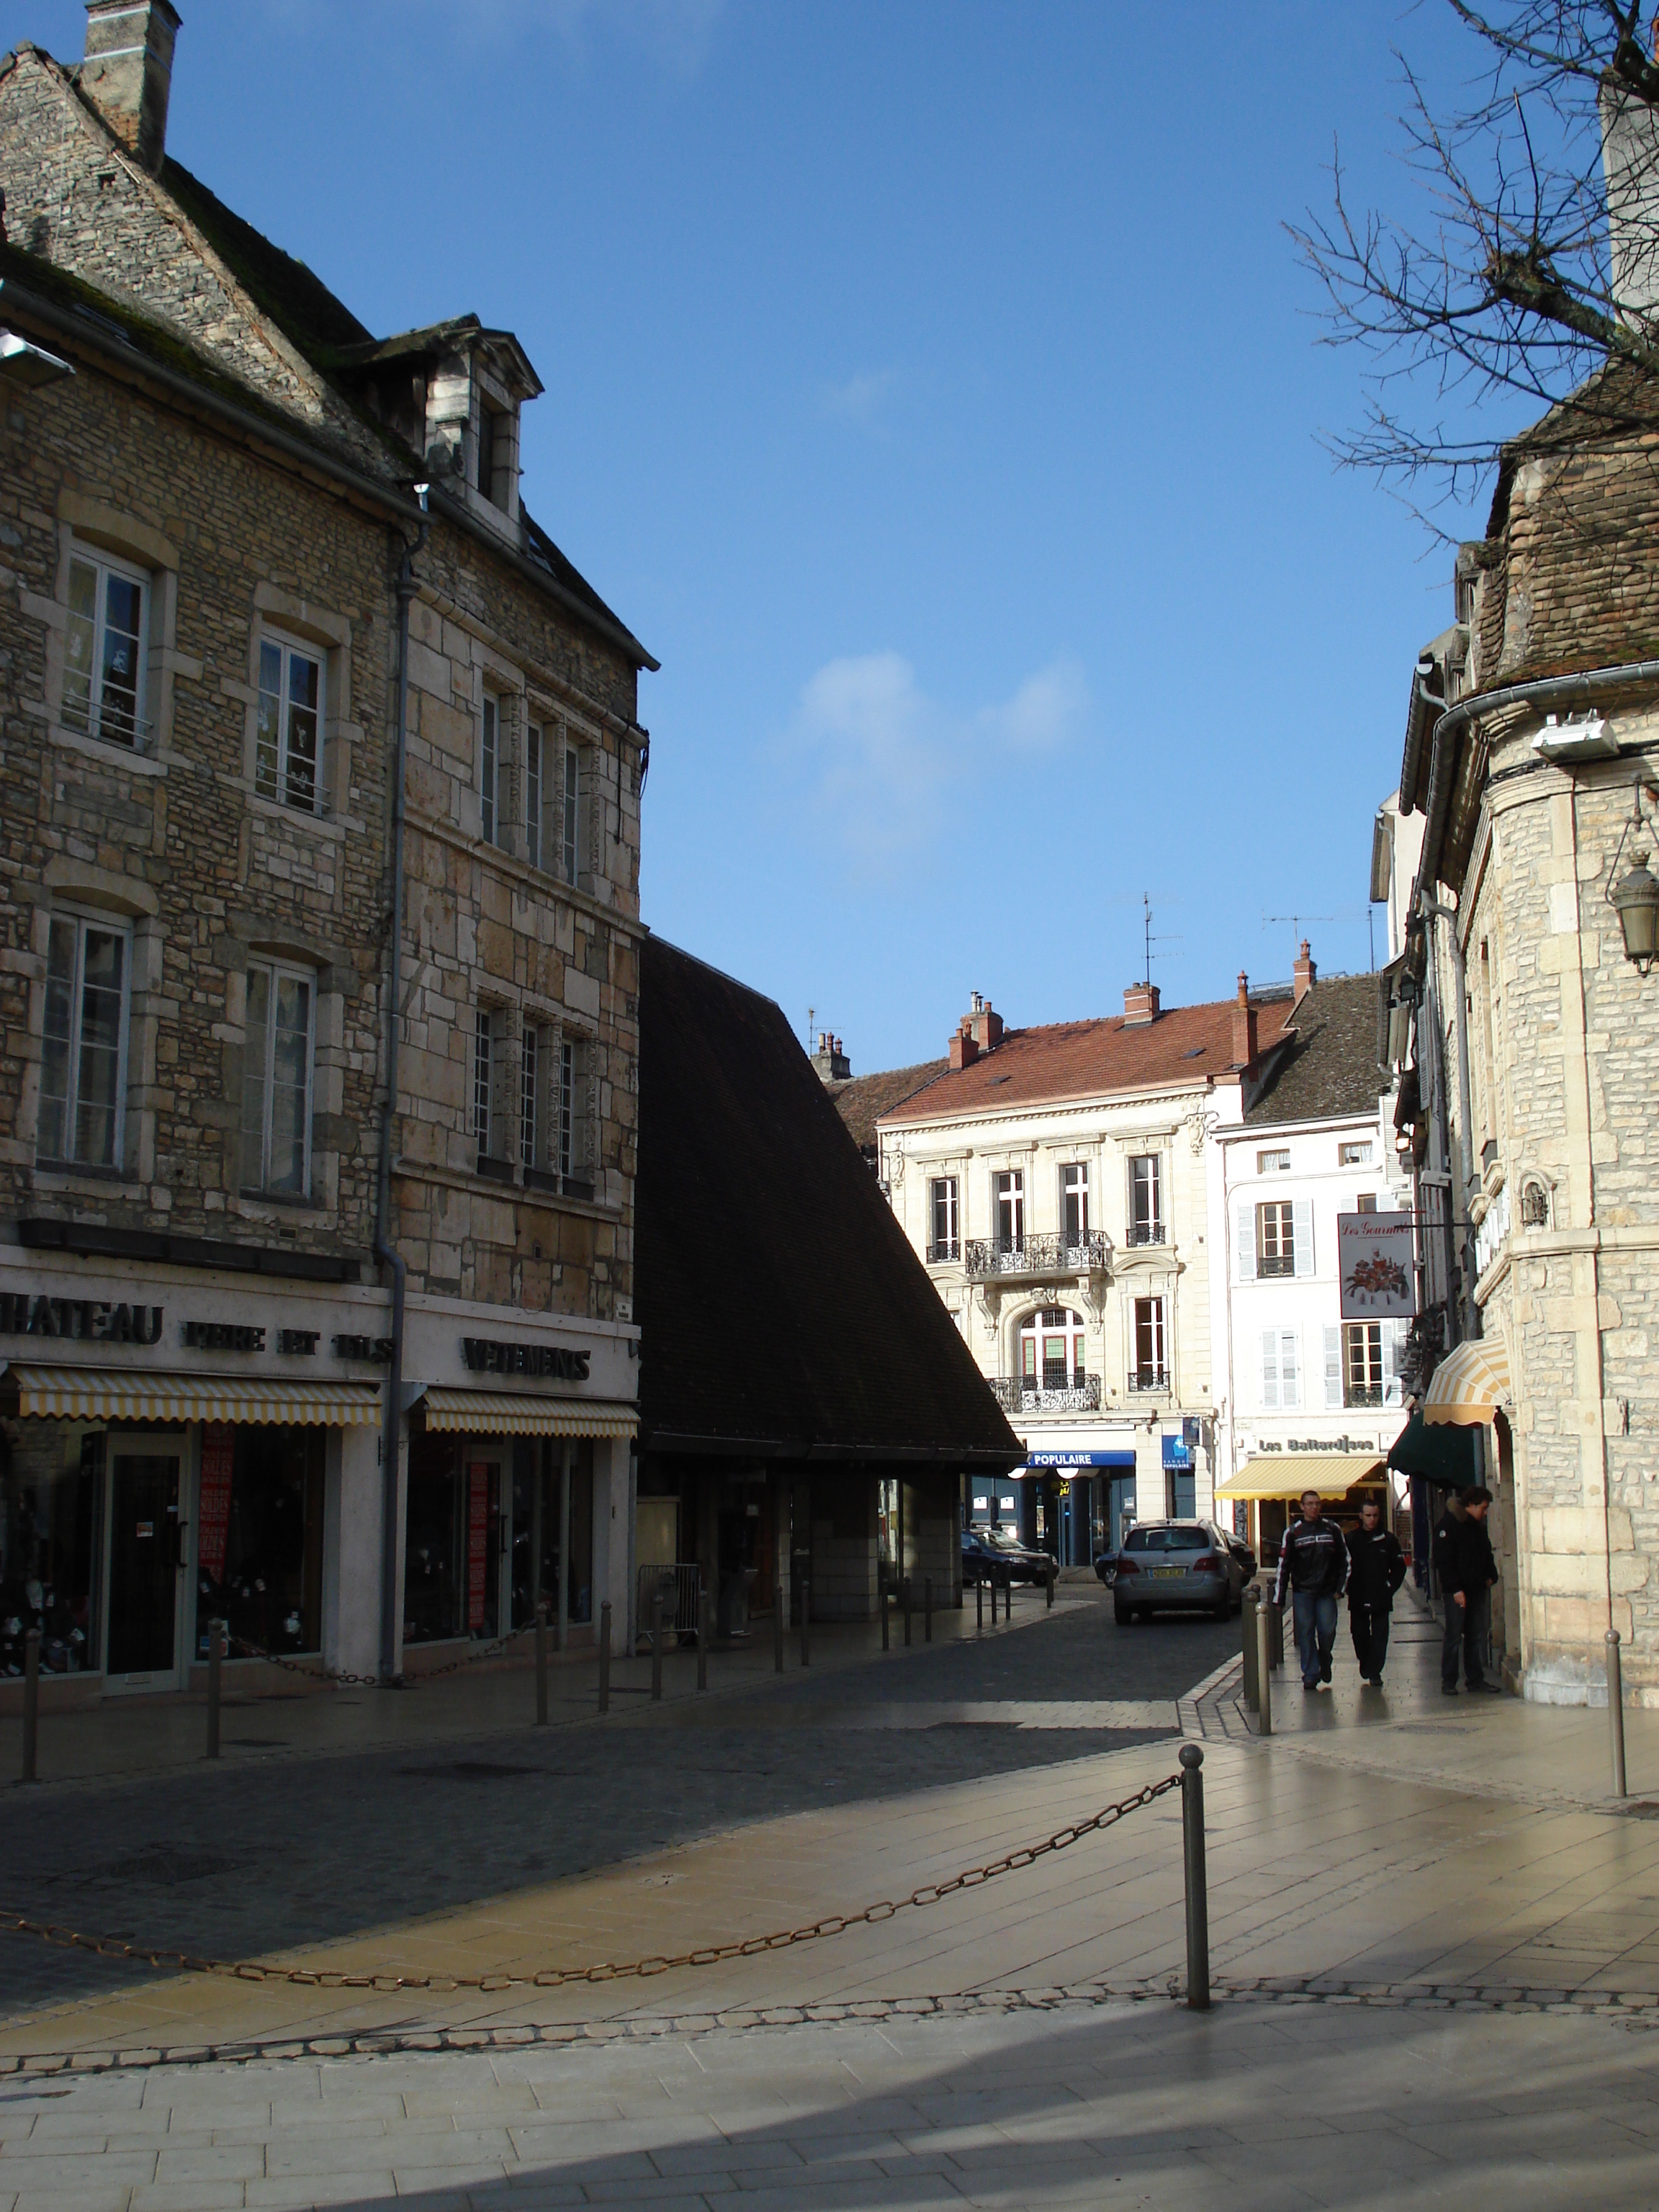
x,y
1616,1711
681,1586
1249,1606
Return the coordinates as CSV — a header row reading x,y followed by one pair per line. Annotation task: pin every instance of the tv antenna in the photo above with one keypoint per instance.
x,y
1151,940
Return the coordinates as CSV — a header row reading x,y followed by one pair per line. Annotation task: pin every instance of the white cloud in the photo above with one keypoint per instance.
x,y
859,398
887,769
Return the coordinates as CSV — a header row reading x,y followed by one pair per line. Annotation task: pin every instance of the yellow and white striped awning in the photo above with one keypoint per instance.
x,y
96,1394
1471,1383
1288,1475
516,1413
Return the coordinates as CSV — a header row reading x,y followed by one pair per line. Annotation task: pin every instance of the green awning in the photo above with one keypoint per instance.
x,y
1439,1454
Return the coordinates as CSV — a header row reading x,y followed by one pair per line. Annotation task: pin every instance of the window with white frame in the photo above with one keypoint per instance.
x,y
276,1065
490,768
532,794
1051,1351
1274,1163
1362,1364
1008,1188
1354,1154
104,646
570,814
1281,1374
84,1041
1075,1202
288,734
486,1035
1150,1361
1146,1198
1275,1238
944,1243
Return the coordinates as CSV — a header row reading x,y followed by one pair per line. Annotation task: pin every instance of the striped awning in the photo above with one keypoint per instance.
x,y
1470,1385
516,1413
96,1394
1288,1475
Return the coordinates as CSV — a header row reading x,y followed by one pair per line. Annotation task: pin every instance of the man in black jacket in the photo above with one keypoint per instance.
x,y
1467,1570
1376,1567
1313,1566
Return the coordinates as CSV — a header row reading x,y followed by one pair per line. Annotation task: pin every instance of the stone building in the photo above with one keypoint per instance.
x,y
1055,1182
319,786
1532,1040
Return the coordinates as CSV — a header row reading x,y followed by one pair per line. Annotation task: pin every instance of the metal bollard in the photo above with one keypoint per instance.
x,y
656,1643
605,1656
885,1594
705,1630
1249,1605
1264,1670
1616,1711
31,1704
806,1624
216,1683
1198,1901
541,1662
1049,1581
927,1608
1007,1593
906,1613
777,1631
979,1605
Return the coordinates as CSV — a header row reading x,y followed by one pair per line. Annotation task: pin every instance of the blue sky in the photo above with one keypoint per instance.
x,y
934,391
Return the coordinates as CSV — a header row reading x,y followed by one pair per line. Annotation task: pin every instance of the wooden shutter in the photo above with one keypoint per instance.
x,y
1270,1370
1247,1244
1334,1369
1290,1382
1302,1234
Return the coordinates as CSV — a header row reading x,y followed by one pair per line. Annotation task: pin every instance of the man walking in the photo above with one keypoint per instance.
x,y
1467,1569
1376,1567
1313,1566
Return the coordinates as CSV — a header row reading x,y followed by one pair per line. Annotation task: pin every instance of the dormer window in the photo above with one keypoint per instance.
x,y
494,455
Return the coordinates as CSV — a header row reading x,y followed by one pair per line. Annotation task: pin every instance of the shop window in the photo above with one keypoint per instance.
x,y
288,731
104,649
1146,1198
434,1567
50,1486
83,1042
259,1545
476,1503
276,1062
946,1241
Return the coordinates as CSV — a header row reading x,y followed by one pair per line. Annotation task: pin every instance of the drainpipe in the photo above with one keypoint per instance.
x,y
1433,911
392,1413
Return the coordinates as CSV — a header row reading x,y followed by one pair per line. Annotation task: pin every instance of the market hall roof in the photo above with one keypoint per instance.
x,y
1330,1069
783,1315
1184,1046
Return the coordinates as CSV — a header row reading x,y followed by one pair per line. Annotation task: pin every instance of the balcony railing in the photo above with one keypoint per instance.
x,y
1147,1233
1036,1255
1149,1382
940,1254
1016,1395
1363,1394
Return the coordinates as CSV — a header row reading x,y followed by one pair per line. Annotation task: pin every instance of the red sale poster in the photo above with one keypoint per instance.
x,y
218,1458
478,1536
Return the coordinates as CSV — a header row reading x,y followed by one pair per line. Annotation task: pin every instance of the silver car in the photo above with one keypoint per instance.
x,y
1184,1566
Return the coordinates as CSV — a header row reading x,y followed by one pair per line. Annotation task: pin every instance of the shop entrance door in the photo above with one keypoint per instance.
x,y
146,1556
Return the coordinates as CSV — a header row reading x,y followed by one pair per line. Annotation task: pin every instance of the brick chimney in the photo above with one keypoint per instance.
x,y
1306,974
127,74
1141,1005
1244,1049
964,1046
830,1061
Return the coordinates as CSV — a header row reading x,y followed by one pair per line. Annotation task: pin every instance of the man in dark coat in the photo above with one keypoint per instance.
x,y
1313,1567
1376,1567
1467,1570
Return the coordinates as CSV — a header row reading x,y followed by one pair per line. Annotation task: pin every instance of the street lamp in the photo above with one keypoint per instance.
x,y
1636,898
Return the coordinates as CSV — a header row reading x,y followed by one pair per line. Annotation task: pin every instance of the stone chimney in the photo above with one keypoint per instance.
x,y
831,1062
127,74
984,1026
1630,165
1141,1005
1306,974
1244,1047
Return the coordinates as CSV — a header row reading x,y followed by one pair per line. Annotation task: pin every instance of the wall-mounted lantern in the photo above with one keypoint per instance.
x,y
1636,898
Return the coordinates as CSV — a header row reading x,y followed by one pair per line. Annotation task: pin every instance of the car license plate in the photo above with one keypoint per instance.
x,y
1168,1574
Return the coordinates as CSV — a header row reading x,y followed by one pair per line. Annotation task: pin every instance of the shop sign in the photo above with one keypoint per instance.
x,y
1376,1263
213,1508
1177,1454
477,1535
485,1356
24,1314
1119,1458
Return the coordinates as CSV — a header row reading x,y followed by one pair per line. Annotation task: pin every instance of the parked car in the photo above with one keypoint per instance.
x,y
1242,1552
1186,1566
998,1552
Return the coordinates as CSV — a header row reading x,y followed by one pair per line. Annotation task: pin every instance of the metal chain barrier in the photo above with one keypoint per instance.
x,y
553,1977
339,1675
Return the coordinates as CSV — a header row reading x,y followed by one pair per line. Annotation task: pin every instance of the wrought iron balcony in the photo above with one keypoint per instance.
x,y
1149,1382
939,1255
1036,1255
1016,1395
1148,1232
1362,1393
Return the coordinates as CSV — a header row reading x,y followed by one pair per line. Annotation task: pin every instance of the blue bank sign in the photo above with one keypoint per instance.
x,y
1119,1458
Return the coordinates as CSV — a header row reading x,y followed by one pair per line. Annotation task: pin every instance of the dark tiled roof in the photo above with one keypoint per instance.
x,y
779,1302
1331,1066
861,1102
1083,1060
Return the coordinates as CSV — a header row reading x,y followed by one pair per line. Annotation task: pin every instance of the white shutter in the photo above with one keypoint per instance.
x,y
1290,1382
1270,1370
1393,1343
1301,1233
1247,1244
1334,1369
